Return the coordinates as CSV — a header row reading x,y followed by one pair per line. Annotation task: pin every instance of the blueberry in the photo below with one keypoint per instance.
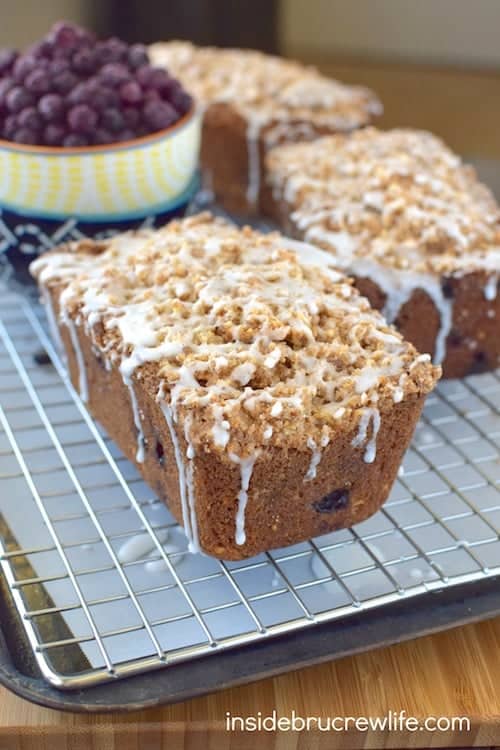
x,y
80,94
159,115
5,86
336,500
124,135
10,126
137,56
114,74
37,82
112,119
447,287
111,50
181,100
85,61
64,82
75,140
132,116
18,98
160,453
24,65
51,107
27,135
104,98
131,92
30,118
82,119
65,35
103,137
7,60
54,134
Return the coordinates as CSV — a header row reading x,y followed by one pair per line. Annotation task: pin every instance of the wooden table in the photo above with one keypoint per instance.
x,y
456,673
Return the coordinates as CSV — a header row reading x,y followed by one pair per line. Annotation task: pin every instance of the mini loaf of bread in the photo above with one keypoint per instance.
x,y
253,101
258,393
412,224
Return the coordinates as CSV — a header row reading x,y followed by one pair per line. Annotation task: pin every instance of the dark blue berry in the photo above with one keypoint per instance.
x,y
30,118
82,119
37,82
103,137
27,135
159,115
18,98
7,60
54,134
51,107
10,126
137,56
65,35
131,115
64,82
75,140
113,119
23,66
114,74
85,61
131,92
5,86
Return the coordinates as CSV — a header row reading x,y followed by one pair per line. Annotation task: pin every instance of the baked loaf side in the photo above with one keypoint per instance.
x,y
255,389
412,224
253,101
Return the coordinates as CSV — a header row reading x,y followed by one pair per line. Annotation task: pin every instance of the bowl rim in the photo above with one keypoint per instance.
x,y
25,148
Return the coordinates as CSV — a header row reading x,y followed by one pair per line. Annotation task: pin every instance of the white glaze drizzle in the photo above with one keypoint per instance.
x,y
253,148
190,454
316,454
181,470
369,415
127,379
246,470
139,546
490,288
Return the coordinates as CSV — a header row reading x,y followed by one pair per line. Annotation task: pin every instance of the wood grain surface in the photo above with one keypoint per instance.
x,y
456,673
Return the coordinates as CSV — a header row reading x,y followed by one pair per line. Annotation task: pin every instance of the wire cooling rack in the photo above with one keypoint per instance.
x,y
98,568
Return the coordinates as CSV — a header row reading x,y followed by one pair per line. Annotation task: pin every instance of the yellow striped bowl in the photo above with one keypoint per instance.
x,y
120,182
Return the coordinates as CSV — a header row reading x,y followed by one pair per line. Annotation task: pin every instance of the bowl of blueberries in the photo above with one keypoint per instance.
x,y
93,140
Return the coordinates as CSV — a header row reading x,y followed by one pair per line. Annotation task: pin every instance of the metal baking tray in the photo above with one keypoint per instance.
x,y
97,584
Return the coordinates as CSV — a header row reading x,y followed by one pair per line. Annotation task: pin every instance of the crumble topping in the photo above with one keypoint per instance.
x,y
265,87
256,338
399,198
